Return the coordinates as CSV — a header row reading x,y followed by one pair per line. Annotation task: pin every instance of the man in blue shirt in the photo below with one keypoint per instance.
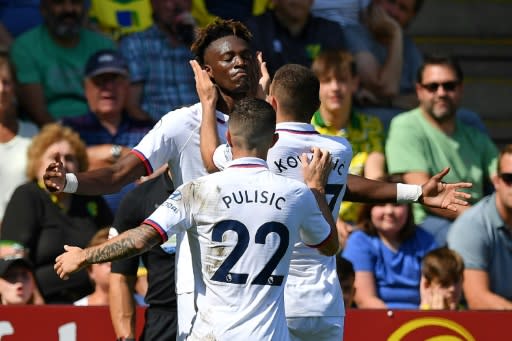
x,y
158,59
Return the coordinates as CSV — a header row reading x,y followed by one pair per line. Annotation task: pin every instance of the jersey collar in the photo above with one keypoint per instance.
x,y
296,128
248,162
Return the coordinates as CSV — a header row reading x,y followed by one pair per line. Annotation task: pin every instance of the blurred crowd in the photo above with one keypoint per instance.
x,y
85,80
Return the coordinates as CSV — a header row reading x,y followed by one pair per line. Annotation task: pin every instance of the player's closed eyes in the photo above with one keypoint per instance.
x,y
447,86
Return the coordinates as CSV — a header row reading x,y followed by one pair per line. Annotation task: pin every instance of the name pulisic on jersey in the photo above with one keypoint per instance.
x,y
254,197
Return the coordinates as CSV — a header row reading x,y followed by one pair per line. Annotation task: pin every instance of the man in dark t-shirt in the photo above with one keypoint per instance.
x,y
290,34
161,316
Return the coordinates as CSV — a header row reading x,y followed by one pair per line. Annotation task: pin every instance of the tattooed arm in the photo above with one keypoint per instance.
x,y
128,244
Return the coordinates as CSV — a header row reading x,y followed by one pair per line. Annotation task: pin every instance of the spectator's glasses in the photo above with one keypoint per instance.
x,y
447,86
507,178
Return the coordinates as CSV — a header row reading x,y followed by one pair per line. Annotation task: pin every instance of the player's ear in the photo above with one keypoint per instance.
x,y
208,70
272,101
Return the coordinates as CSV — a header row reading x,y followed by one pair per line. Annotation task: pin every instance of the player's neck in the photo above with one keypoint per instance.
x,y
239,153
226,102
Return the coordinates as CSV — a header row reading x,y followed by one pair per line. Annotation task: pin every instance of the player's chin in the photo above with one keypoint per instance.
x,y
242,85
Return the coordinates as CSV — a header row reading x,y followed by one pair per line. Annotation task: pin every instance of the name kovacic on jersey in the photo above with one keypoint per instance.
x,y
283,164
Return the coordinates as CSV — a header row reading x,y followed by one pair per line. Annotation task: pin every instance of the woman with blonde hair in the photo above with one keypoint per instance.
x,y
44,222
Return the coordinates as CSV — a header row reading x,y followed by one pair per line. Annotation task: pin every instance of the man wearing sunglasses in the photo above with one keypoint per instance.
x,y
483,237
420,141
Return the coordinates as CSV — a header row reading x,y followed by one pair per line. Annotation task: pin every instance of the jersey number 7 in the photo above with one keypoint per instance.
x,y
265,276
334,190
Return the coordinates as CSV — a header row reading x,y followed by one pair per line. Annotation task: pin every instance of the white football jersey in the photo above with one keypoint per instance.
x,y
175,139
242,224
313,287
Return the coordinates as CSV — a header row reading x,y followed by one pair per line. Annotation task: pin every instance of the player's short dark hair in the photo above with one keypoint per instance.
x,y
252,122
218,29
296,88
440,59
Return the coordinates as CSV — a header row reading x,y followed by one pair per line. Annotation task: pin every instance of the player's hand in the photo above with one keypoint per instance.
x,y
259,78
206,90
317,170
442,195
55,176
344,230
264,80
70,261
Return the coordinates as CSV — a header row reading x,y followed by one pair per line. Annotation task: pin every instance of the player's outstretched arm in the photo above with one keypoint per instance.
x,y
433,193
438,194
315,174
127,244
208,95
96,182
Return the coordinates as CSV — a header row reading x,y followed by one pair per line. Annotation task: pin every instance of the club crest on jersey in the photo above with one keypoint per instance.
x,y
175,196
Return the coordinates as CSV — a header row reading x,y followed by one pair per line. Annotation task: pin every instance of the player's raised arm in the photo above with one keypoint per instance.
x,y
99,181
316,173
208,95
433,193
127,244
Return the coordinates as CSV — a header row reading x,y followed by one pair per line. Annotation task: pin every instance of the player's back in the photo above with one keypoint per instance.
x,y
247,220
312,276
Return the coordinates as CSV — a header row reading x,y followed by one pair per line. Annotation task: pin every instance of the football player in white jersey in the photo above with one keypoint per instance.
x,y
224,51
313,297
241,259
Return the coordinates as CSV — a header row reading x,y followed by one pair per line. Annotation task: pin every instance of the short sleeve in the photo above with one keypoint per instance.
x,y
467,236
158,145
360,252
315,229
174,215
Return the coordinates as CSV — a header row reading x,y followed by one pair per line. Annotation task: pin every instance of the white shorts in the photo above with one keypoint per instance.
x,y
186,314
318,328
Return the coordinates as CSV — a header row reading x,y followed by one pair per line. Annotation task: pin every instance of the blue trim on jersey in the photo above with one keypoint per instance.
x,y
158,229
300,132
246,165
141,157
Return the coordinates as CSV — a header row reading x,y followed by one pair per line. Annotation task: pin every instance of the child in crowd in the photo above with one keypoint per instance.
x,y
18,285
441,279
